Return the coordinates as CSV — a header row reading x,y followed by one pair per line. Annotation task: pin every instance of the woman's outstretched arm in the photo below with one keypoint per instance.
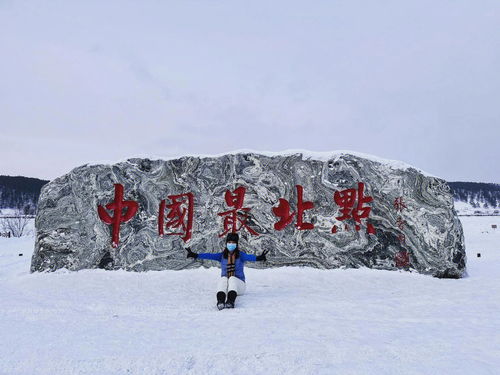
x,y
252,258
211,256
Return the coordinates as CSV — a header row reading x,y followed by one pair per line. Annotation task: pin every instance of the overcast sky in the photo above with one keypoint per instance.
x,y
417,81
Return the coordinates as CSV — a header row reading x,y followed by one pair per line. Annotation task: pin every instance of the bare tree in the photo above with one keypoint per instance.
x,y
16,224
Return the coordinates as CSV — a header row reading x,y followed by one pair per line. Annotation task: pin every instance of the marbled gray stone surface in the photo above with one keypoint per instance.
x,y
70,233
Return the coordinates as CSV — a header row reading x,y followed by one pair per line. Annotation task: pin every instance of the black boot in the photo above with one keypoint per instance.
x,y
231,298
221,298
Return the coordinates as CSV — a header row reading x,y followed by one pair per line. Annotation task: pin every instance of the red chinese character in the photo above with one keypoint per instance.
x,y
402,238
237,214
283,212
346,200
118,217
399,204
286,217
370,229
180,215
400,223
402,259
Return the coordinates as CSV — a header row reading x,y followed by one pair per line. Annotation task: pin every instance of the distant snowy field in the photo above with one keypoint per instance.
x,y
465,208
292,320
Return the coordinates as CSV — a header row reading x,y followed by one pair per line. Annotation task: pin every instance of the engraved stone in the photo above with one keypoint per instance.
x,y
70,233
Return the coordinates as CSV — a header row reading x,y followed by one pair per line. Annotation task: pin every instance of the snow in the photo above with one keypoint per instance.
x,y
465,208
8,212
291,321
28,230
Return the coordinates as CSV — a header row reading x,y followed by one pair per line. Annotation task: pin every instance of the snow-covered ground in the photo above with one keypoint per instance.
x,y
8,212
28,230
465,208
291,321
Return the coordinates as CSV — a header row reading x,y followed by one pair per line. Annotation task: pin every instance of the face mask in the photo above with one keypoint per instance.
x,y
231,246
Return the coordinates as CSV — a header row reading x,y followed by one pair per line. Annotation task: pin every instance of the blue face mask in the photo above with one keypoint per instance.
x,y
231,246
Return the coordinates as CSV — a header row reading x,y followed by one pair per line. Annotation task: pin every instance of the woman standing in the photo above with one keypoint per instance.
x,y
232,281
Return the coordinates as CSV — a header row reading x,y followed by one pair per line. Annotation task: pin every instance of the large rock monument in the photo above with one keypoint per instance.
x,y
323,210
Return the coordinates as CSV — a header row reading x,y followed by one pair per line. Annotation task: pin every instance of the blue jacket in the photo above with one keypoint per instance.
x,y
238,263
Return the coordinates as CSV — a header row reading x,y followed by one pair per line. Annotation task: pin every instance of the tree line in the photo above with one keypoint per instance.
x,y
478,194
20,193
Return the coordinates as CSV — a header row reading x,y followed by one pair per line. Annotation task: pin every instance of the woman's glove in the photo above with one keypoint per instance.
x,y
190,254
262,256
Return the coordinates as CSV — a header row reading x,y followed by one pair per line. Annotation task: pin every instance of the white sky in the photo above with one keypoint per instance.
x,y
413,80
